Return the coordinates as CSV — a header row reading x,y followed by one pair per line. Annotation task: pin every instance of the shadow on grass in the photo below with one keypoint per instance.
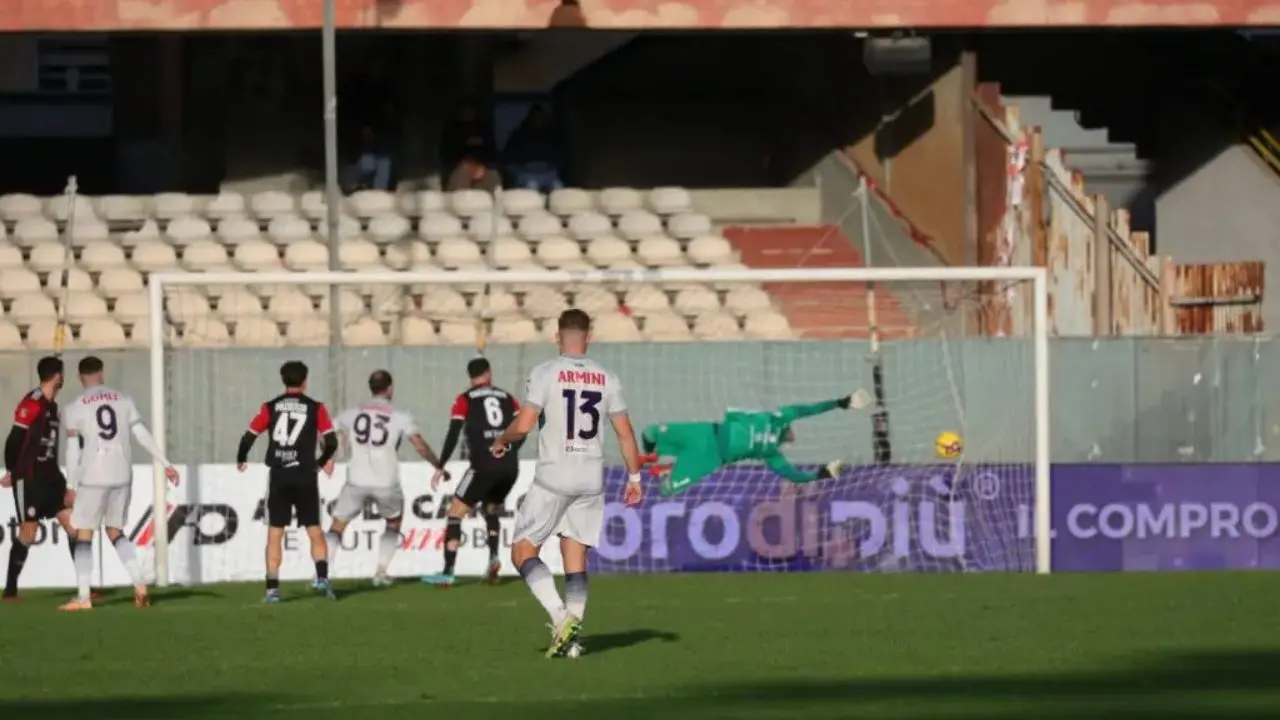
x,y
121,596
145,708
596,644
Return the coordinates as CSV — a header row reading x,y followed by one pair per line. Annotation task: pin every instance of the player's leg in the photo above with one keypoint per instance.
x,y
579,531
791,413
349,505
390,502
697,457
115,514
279,516
492,507
307,498
87,514
26,501
536,521
470,489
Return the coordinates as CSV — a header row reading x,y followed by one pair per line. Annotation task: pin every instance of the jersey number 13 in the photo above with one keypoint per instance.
x,y
584,405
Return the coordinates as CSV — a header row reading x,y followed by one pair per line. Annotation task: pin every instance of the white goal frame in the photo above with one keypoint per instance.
x,y
1035,276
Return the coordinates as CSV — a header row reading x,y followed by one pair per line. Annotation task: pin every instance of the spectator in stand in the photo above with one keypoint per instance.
x,y
367,104
533,153
464,136
373,164
473,173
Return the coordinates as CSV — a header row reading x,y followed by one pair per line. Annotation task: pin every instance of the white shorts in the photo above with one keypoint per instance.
x,y
544,513
352,499
101,507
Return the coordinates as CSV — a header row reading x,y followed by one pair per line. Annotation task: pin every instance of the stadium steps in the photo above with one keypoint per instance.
x,y
819,311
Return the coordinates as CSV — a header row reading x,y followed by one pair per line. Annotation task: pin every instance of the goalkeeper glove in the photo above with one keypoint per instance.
x,y
830,470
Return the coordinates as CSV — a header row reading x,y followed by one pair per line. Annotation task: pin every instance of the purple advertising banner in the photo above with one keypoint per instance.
x,y
935,519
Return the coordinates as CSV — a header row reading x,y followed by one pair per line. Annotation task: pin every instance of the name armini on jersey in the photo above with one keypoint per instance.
x,y
582,377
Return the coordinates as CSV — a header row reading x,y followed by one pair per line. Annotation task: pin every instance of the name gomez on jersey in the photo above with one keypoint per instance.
x,y
576,396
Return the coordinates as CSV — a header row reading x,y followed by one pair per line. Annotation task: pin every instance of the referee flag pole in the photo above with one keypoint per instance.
x,y
333,199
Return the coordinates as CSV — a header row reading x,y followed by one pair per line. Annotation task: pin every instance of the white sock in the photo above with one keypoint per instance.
x,y
129,558
575,594
543,586
332,541
84,568
387,546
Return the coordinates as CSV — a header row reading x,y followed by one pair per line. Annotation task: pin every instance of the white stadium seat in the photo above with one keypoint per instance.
x,y
102,333
538,225
186,229
442,303
416,331
257,255
270,204
520,202
307,332
80,307
358,253
710,250
77,280
209,332
746,299
371,203
666,328
595,300
608,251
350,305
306,254
457,332
557,252
404,255
10,337
11,257
166,206
152,256
508,252
422,203
15,282
364,332
687,226
61,208
100,256
30,231
312,205
119,281
568,201
646,300
438,227
226,205
286,229
290,304
615,327
348,227
716,326
589,224
486,226
204,255
696,300
513,331
149,230
42,335
457,252
45,257
238,303
117,208
495,304
257,332
235,230
639,224
544,303
31,307
389,228
132,308
659,251
469,203
670,200
88,230
767,325
187,306
619,200
17,206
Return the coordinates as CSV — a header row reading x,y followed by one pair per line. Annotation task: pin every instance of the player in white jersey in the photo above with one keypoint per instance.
x,y
100,473
373,431
572,395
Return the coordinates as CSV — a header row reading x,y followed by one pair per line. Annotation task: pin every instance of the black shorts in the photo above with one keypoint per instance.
x,y
41,497
289,490
487,486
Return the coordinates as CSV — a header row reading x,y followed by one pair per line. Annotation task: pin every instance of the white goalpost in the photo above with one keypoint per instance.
x,y
897,506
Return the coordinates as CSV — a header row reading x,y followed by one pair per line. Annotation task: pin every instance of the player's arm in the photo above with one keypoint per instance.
x,y
140,433
778,463
328,435
616,408
75,451
457,419
420,445
257,426
537,387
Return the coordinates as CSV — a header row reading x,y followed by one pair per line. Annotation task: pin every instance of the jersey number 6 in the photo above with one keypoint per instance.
x,y
585,403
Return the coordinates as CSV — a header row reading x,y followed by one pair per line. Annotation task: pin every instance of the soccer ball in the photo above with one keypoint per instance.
x,y
948,445
573,652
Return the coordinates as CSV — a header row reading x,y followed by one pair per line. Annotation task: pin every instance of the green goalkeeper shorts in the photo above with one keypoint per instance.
x,y
695,448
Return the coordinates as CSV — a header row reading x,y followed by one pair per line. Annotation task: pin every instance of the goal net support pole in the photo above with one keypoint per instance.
x,y
1032,277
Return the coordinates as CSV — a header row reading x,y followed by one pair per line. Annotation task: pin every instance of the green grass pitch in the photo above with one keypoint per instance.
x,y
803,647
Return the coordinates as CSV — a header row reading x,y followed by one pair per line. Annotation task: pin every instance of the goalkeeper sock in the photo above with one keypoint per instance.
x,y
543,586
575,594
452,538
128,558
84,569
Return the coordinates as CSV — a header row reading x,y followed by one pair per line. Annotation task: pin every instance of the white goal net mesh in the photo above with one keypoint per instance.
x,y
949,360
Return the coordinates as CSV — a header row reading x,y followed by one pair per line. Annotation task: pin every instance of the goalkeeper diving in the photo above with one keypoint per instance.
x,y
694,450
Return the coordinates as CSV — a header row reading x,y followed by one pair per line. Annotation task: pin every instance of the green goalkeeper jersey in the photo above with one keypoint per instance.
x,y
758,435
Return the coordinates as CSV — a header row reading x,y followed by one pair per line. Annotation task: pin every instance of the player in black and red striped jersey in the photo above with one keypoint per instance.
x,y
31,463
480,414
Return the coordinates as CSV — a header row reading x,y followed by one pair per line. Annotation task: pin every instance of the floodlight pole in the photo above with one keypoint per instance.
x,y
333,197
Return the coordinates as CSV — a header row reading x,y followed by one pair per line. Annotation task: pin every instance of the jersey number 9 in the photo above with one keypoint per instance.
x,y
371,430
108,427
587,404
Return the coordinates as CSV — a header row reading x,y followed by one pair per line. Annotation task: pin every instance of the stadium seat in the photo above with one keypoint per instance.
x,y
119,281
103,333
11,257
348,228
470,203
287,229
44,257
568,201
743,300
17,206
520,202
30,231
670,200
271,204
659,251
390,302
645,300
439,227
588,224
595,300
77,280
350,305
716,326
60,208
225,205
85,231
186,305
167,206
186,230
620,200
416,331
15,282
10,337
154,256
538,225
238,303
366,204
234,230
306,254
608,251
695,301
31,307
486,226
495,304
148,230
100,256
767,325
457,252
615,327
639,224
307,332
257,255
424,202
80,306
508,252
204,255
687,226
131,308
43,335
513,331
364,332
710,250
557,252
457,332
357,254
290,304
312,205
389,228
256,332
122,208
406,254
208,332
666,328
542,302
442,303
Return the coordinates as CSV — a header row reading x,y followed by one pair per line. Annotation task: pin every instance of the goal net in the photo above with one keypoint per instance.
x,y
954,354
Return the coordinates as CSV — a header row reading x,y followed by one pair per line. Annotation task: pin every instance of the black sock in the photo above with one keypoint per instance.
x,y
273,582
71,545
452,536
17,558
492,524
322,569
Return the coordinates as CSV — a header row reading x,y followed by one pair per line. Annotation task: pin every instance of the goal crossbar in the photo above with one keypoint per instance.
x,y
1036,277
